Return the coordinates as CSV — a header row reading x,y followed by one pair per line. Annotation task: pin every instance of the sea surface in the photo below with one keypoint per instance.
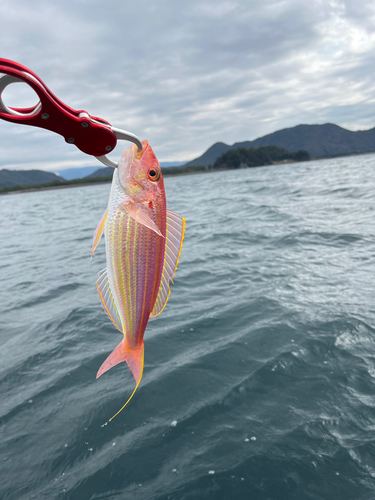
x,y
259,378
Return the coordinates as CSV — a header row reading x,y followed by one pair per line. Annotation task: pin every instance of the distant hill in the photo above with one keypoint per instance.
x,y
317,140
168,164
101,172
76,173
10,178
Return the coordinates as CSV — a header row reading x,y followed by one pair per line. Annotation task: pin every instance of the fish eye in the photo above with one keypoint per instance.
x,y
153,174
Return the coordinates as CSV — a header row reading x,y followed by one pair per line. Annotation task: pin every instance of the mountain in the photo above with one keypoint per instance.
x,y
101,172
318,140
167,164
23,177
211,155
76,173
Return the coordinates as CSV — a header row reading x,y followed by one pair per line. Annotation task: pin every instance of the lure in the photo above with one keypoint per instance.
x,y
143,243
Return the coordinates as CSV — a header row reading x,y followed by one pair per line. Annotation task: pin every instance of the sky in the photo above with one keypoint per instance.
x,y
185,75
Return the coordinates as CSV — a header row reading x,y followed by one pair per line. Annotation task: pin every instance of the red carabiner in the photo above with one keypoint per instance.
x,y
92,135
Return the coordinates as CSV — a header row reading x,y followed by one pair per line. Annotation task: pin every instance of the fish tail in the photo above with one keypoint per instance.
x,y
134,358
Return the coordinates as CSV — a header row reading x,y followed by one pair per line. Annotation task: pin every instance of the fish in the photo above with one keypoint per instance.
x,y
143,241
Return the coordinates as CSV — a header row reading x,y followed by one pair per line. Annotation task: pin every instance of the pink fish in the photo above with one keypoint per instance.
x,y
143,242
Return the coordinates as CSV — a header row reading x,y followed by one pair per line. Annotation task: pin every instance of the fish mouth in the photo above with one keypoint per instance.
x,y
140,152
125,177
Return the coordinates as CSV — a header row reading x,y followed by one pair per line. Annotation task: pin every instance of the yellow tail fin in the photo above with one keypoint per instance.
x,y
134,359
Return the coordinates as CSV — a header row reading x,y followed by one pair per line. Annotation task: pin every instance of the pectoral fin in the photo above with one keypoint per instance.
x,y
173,244
141,216
98,233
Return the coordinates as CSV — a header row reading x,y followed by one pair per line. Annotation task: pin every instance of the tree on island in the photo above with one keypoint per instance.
x,y
256,157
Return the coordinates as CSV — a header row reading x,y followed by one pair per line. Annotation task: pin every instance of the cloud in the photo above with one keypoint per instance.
x,y
186,78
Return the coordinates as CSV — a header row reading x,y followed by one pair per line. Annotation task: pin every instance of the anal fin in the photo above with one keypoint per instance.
x,y
107,301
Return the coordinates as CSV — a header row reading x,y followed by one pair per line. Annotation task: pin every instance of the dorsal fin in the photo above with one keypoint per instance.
x,y
106,298
173,244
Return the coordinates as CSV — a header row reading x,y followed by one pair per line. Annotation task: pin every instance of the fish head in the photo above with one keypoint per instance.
x,y
140,174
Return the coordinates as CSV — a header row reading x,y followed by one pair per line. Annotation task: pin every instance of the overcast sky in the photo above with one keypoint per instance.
x,y
187,74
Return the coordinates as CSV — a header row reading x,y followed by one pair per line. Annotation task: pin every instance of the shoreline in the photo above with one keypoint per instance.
x,y
83,184
165,174
49,188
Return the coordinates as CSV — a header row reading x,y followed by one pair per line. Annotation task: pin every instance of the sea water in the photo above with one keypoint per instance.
x,y
259,378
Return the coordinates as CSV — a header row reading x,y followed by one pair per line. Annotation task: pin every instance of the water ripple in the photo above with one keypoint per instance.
x,y
259,376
